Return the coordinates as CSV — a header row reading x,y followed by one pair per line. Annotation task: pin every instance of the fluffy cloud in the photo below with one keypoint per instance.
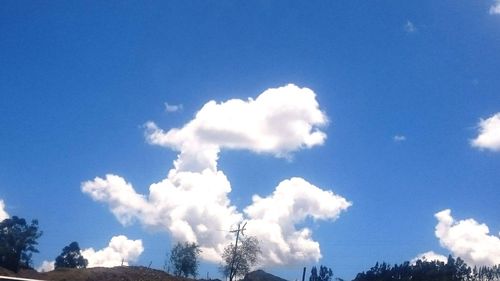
x,y
192,202
124,202
489,133
3,213
188,205
495,8
430,256
468,239
275,216
279,121
120,250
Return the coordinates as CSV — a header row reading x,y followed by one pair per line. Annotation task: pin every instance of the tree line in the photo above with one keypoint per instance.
x,y
423,270
454,269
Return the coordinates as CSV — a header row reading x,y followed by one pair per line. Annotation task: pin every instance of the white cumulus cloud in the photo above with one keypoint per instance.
x,y
495,8
192,202
275,217
468,239
186,204
430,256
279,121
489,133
120,251
3,213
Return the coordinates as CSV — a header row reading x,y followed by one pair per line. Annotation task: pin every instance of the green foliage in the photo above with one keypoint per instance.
x,y
18,241
71,257
240,259
452,270
325,274
184,259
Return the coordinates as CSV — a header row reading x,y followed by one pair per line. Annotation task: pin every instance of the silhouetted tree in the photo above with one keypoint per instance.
x,y
18,241
71,257
242,259
325,274
184,259
314,274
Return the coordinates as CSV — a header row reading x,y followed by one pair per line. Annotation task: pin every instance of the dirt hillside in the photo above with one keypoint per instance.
x,y
120,273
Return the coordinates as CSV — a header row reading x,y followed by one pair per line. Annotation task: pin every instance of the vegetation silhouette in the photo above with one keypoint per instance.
x,y
184,259
237,261
18,241
423,270
325,274
71,257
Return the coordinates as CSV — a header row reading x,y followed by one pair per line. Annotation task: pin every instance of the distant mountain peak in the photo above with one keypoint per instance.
x,y
261,275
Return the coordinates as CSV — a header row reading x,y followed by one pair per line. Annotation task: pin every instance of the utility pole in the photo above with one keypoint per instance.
x,y
238,231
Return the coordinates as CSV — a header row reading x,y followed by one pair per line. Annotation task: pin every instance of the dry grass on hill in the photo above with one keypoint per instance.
x,y
119,273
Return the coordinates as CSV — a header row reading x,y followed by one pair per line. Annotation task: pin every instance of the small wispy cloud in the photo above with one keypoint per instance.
x,y
495,8
173,107
399,138
409,27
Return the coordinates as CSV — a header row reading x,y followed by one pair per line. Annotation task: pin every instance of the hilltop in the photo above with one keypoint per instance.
x,y
120,273
261,275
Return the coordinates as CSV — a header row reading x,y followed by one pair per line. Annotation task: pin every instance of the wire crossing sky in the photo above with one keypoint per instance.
x,y
342,132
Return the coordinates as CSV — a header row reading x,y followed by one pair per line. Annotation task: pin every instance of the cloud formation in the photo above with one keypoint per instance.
x,y
489,133
279,121
120,251
468,239
3,213
190,206
495,8
430,256
276,215
192,202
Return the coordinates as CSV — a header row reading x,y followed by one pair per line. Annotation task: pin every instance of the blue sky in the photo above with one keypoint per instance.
x,y
404,86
